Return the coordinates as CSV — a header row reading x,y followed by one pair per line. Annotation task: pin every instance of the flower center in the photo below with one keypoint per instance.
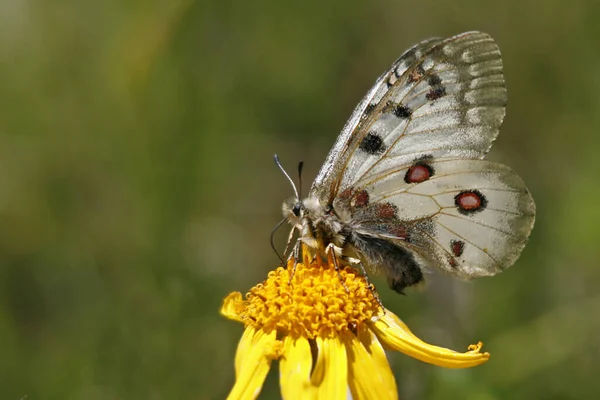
x,y
317,301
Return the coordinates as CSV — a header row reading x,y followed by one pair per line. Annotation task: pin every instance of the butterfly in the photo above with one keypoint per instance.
x,y
405,187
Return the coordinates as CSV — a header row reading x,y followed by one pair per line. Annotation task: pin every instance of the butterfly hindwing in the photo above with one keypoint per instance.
x,y
470,218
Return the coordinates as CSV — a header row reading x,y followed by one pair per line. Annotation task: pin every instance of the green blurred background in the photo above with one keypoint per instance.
x,y
137,188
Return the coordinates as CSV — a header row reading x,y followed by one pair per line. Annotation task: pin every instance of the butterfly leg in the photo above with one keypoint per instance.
x,y
296,255
330,251
371,286
289,244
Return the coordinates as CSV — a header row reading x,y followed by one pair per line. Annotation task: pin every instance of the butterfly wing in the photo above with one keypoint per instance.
x,y
406,173
355,126
470,218
443,98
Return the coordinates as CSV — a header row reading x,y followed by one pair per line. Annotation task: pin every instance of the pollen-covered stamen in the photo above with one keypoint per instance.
x,y
316,303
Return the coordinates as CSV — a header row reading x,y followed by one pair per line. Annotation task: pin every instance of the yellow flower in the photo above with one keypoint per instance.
x,y
328,332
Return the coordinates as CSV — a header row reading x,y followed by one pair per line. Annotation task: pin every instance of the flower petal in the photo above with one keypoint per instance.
x,y
331,369
244,346
370,376
232,306
254,366
294,370
395,334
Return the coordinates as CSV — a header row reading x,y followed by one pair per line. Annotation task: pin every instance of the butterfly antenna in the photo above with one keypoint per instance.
x,y
273,237
300,166
278,163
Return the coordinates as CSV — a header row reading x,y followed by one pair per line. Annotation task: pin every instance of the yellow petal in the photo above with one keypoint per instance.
x,y
334,382
294,370
370,376
395,334
318,373
232,306
243,348
254,366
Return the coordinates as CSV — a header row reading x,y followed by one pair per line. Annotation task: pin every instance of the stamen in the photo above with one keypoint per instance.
x,y
318,300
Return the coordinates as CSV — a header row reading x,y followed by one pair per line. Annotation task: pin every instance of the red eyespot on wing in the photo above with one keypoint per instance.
x,y
400,231
470,201
436,93
452,262
416,74
418,173
457,247
386,211
360,199
346,194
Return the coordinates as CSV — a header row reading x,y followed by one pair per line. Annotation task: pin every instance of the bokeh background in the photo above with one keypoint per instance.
x,y
137,188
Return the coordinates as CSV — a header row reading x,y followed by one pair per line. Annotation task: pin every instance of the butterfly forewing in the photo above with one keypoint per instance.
x,y
332,166
441,98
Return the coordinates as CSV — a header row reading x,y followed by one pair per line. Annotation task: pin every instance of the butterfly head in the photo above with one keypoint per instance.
x,y
293,210
310,219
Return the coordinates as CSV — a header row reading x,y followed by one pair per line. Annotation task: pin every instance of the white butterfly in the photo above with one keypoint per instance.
x,y
405,186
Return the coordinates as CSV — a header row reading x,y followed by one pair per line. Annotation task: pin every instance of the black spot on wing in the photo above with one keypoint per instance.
x,y
370,107
372,144
402,111
437,88
434,80
436,93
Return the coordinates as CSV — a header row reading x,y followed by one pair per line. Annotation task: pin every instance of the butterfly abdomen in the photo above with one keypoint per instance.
x,y
398,263
324,226
374,233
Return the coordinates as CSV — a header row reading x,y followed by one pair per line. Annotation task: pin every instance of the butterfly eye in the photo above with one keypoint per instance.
x,y
296,209
329,209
